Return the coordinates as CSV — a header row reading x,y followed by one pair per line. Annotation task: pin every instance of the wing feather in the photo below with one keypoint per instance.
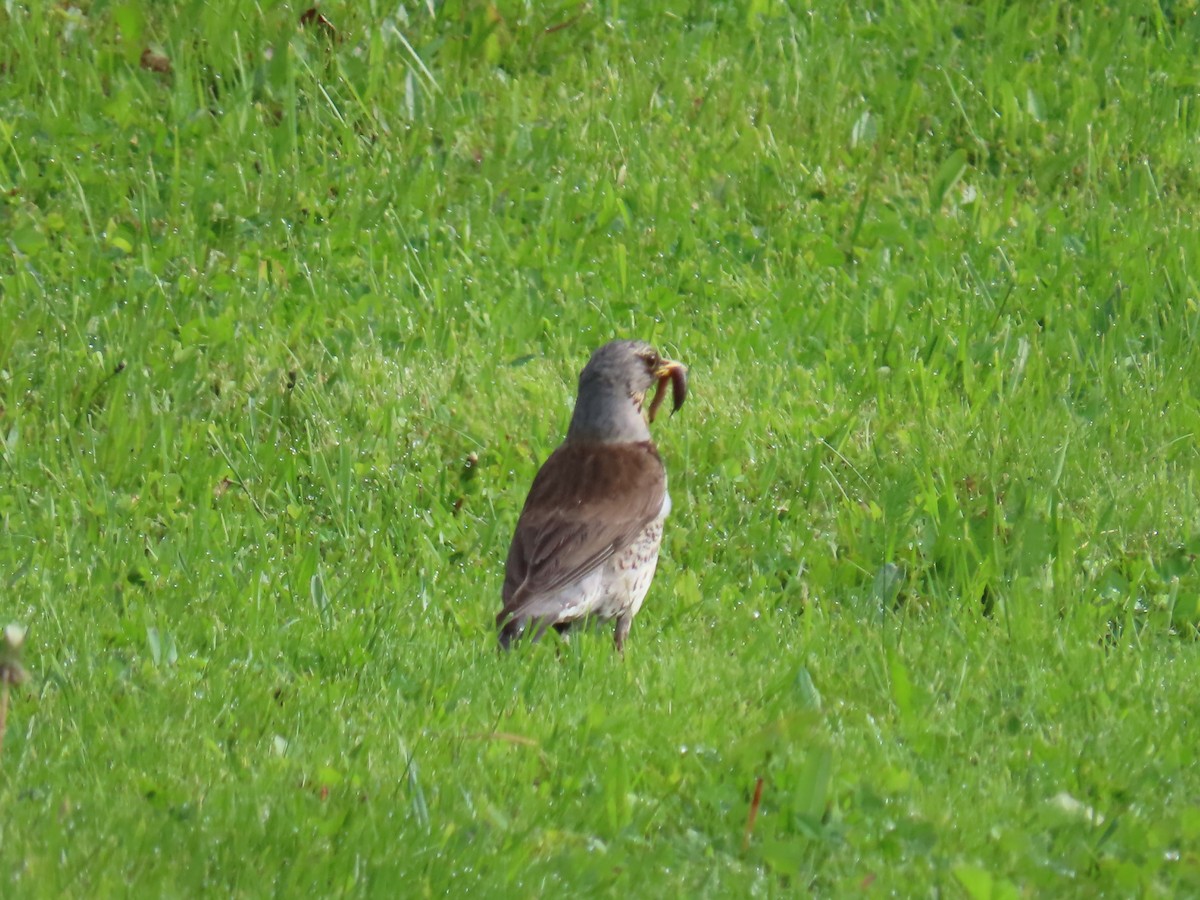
x,y
587,501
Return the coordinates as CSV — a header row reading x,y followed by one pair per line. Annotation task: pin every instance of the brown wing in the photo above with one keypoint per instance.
x,y
586,502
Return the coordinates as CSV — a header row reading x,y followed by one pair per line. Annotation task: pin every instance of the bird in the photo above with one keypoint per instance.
x,y
586,542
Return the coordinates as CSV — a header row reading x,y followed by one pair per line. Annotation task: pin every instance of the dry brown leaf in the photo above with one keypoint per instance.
x,y
155,62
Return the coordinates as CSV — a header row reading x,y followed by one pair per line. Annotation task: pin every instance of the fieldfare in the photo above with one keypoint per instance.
x,y
586,543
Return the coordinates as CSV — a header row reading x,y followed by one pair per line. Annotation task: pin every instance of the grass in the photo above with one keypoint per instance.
x,y
288,328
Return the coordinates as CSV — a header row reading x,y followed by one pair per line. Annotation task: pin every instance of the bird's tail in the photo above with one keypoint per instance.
x,y
510,630
513,627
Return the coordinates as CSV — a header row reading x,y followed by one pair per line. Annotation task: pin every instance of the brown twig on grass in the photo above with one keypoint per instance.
x,y
584,9
754,802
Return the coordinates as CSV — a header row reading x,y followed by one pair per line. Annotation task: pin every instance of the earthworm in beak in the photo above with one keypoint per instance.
x,y
676,373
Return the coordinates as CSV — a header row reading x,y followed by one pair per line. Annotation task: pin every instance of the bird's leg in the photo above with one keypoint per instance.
x,y
622,631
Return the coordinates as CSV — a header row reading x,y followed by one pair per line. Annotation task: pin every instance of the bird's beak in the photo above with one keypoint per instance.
x,y
676,373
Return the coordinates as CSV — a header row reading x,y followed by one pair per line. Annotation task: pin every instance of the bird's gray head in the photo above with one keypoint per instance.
x,y
612,390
